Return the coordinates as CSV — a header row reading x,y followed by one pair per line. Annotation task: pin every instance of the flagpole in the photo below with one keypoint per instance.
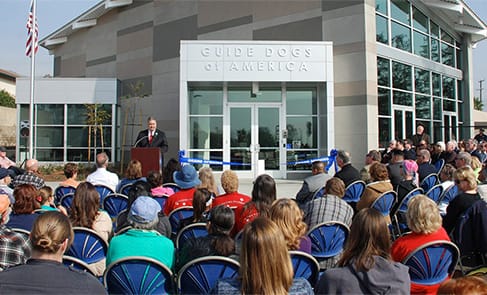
x,y
32,82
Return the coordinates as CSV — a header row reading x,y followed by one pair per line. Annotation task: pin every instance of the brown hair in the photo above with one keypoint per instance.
x,y
469,285
289,218
86,203
265,264
229,181
369,236
201,197
378,171
154,178
25,199
44,194
335,186
49,231
263,194
221,222
134,170
70,169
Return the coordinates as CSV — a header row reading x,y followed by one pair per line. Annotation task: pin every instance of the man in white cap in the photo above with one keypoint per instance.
x,y
187,179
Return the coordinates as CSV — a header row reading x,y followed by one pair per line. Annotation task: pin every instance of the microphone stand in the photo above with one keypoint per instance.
x,y
138,141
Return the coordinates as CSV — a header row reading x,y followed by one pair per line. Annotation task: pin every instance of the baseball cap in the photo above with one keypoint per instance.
x,y
144,210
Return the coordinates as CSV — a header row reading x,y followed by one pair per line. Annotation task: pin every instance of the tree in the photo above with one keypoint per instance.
x,y
95,117
6,99
478,104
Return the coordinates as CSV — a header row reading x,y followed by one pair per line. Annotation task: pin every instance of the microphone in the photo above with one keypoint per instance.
x,y
138,141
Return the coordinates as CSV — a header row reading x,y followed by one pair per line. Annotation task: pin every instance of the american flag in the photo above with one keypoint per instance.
x,y
32,32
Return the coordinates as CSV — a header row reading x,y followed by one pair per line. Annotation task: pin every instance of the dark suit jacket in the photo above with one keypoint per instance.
x,y
348,174
159,140
425,169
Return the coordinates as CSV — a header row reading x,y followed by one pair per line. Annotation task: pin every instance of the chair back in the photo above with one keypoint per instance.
x,y
114,204
403,206
429,181
439,165
432,262
194,230
354,191
138,275
174,186
87,246
449,194
60,191
435,193
328,239
161,200
318,193
200,275
126,188
305,266
384,202
78,264
67,200
104,191
177,215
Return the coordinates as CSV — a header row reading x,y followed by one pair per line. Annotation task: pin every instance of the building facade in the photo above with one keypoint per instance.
x,y
388,65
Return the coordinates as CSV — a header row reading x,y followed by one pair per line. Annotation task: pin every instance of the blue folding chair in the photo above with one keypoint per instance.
x,y
194,230
318,193
161,200
439,165
305,266
431,263
174,186
435,193
126,188
138,275
200,275
327,239
67,200
104,191
176,216
429,182
114,204
449,194
87,245
384,203
78,264
60,191
400,214
354,191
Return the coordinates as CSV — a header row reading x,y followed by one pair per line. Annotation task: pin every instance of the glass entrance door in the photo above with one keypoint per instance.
x,y
403,123
255,139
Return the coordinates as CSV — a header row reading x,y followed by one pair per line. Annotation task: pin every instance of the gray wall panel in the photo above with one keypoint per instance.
x,y
226,24
168,35
305,30
128,84
135,28
102,60
337,4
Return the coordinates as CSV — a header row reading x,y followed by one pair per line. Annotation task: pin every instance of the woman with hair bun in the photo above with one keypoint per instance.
x,y
44,273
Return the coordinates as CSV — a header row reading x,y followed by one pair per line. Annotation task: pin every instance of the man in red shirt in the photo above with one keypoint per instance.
x,y
232,198
187,179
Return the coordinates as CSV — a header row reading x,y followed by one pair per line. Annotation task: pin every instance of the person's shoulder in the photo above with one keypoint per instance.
x,y
85,280
300,286
227,286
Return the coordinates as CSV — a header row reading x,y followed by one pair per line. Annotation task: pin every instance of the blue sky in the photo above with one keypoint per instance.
x,y
52,14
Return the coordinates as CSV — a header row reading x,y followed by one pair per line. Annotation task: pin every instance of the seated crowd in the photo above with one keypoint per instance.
x,y
258,231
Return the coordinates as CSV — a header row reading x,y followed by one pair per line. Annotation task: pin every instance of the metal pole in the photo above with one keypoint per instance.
x,y
32,80
481,90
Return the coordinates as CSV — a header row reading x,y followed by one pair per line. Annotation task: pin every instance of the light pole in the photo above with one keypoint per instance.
x,y
481,90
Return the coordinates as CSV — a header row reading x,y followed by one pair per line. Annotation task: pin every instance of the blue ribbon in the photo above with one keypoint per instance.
x,y
332,160
183,159
310,161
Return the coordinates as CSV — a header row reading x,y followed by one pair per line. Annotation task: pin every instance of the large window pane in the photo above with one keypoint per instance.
x,y
448,87
77,137
49,137
400,11
76,114
381,29
447,37
449,105
384,101
459,58
205,101
434,29
383,71
50,114
435,50
420,21
401,76
422,81
423,107
301,101
402,98
381,6
49,155
401,36
437,108
242,92
199,137
436,84
303,130
447,54
384,132
421,45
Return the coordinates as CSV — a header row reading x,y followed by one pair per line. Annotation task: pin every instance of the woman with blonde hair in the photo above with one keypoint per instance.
x,y
45,273
366,266
424,220
289,218
265,264
207,179
467,184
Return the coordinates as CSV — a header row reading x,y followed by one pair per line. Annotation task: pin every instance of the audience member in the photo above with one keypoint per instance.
x,y
482,186
395,167
85,212
481,136
202,200
207,179
23,215
409,181
154,178
437,152
263,194
46,200
387,153
102,176
424,166
265,264
8,164
289,218
172,166
5,181
450,154
469,285
312,183
467,185
218,241
420,135
372,157
373,190
347,172
142,188
14,247
71,174
366,266
463,159
476,166
30,176
471,146
45,273
446,176
187,179
409,151
482,151
232,198
142,239
133,173
424,220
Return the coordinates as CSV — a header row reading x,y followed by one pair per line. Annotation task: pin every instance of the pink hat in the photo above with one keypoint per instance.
x,y
410,166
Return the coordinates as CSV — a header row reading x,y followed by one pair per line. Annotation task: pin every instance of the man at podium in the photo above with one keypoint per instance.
x,y
152,137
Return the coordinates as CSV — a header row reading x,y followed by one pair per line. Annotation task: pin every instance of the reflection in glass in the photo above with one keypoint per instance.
x,y
448,87
301,101
77,137
199,127
434,29
49,136
422,81
384,101
381,29
400,11
436,84
401,36
447,54
76,114
383,71
421,45
80,155
459,60
214,155
437,108
49,155
398,124
299,155
242,92
50,114
302,132
384,132
437,131
402,98
420,21
435,50
449,105
205,101
269,127
447,37
401,76
423,107
381,6
240,137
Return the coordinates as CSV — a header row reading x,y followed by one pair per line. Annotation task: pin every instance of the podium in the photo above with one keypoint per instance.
x,y
150,158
